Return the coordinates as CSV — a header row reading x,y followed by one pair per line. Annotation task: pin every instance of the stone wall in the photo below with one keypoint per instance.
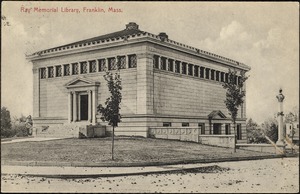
x,y
182,133
227,141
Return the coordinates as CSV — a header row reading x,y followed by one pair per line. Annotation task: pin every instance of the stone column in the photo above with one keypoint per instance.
x,y
89,105
127,61
87,67
94,107
70,107
281,132
74,106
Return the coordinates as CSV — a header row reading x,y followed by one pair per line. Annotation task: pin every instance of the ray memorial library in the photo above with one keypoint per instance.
x,y
169,88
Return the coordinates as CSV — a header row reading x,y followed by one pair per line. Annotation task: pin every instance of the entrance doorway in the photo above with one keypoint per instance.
x,y
216,128
84,107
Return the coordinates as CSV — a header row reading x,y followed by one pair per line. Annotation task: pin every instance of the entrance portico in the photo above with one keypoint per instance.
x,y
83,94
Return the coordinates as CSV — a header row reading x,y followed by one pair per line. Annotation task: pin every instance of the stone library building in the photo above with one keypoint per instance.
x,y
165,84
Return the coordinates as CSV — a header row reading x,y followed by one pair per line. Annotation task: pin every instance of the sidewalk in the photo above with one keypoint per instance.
x,y
30,139
94,172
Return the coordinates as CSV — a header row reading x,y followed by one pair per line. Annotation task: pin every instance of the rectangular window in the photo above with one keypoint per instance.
x,y
196,71
227,129
132,61
212,77
207,70
222,76
217,75
43,73
202,72
167,124
202,128
74,68
112,63
101,63
156,61
177,66
122,62
163,63
239,132
66,70
50,72
170,65
226,77
183,69
92,66
83,67
190,69
58,72
185,124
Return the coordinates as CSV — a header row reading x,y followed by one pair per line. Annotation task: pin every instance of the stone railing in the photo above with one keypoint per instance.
x,y
227,141
179,133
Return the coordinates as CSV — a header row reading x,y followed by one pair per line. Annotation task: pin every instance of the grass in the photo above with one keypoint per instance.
x,y
127,150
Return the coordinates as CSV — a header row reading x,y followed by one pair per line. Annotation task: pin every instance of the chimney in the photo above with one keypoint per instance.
x,y
132,26
163,36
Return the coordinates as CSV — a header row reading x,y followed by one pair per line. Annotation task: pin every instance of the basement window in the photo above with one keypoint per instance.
x,y
185,124
167,124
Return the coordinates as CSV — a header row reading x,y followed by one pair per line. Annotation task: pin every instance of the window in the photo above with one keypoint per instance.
x,y
83,67
112,63
163,63
92,65
196,71
167,124
212,72
207,73
227,129
43,73
177,66
66,70
222,76
185,124
226,77
202,128
190,69
50,72
74,68
101,64
170,65
239,132
58,71
132,61
183,70
217,75
202,72
156,61
122,62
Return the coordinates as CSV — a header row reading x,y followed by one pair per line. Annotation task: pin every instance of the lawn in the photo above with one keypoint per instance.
x,y
127,150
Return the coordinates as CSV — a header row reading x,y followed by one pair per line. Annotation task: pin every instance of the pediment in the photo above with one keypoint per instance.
x,y
81,82
216,114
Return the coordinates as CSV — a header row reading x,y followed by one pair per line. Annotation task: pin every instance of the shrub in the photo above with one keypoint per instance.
x,y
20,129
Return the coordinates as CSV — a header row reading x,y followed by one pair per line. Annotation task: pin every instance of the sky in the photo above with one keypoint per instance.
x,y
263,35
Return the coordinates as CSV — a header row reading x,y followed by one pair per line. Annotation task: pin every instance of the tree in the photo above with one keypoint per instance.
x,y
270,129
5,123
110,112
235,94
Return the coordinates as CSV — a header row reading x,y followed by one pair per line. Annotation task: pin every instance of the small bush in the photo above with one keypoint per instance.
x,y
20,130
